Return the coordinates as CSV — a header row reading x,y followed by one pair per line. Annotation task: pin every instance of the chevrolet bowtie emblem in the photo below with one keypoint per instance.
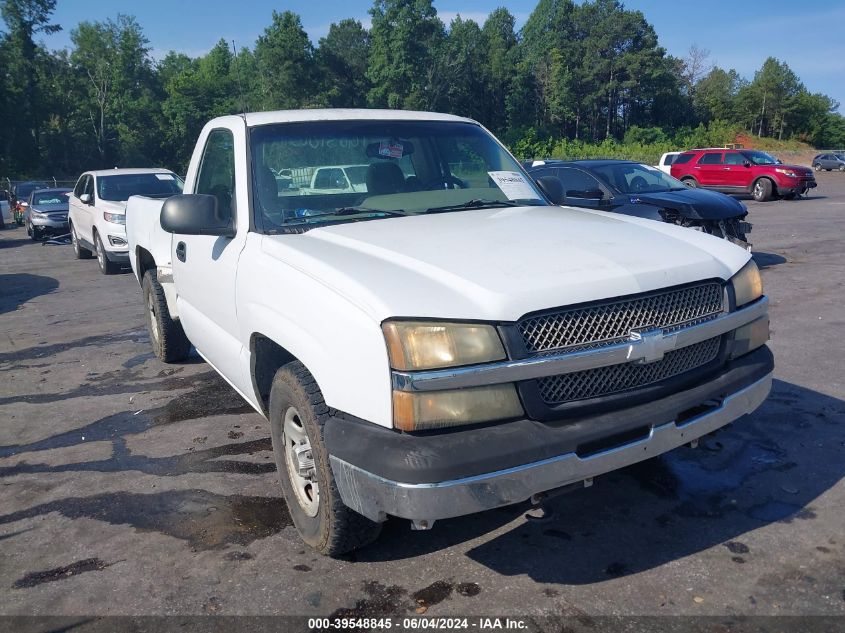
x,y
647,346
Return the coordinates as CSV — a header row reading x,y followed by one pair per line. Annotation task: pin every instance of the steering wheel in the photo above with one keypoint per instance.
x,y
445,180
638,183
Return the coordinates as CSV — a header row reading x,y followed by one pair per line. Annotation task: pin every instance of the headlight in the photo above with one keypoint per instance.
x,y
438,409
786,172
416,345
114,218
748,284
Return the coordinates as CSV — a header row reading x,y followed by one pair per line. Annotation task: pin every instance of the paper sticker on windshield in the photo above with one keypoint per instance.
x,y
513,185
164,176
390,149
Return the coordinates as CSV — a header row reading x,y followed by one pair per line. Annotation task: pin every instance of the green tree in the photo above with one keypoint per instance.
x,y
285,65
25,19
405,39
342,61
461,71
118,94
499,45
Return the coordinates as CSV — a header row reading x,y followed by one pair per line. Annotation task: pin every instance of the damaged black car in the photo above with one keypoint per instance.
x,y
634,189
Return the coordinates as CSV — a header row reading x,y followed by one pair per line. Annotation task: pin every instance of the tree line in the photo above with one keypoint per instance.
x,y
586,73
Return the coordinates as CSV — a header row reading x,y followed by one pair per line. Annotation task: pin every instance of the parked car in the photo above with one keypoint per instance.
x,y
20,197
829,161
5,209
97,218
339,179
642,191
746,171
665,163
432,351
46,213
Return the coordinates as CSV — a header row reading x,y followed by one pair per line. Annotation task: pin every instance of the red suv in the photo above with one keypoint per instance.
x,y
742,171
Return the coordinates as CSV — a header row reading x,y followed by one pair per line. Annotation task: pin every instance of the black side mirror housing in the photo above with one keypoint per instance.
x,y
746,162
196,214
552,187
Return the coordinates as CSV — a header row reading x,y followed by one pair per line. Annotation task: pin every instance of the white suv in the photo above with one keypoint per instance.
x,y
97,215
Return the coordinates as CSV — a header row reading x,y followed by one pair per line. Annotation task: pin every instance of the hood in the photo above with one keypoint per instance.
x,y
112,206
499,264
696,204
51,208
798,169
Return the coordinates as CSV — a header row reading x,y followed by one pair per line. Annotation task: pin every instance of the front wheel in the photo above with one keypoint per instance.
x,y
842,168
106,267
297,415
817,167
79,251
167,337
762,190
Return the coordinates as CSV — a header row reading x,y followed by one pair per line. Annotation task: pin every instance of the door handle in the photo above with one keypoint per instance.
x,y
181,251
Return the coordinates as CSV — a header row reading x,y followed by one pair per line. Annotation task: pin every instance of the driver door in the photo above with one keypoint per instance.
x,y
205,266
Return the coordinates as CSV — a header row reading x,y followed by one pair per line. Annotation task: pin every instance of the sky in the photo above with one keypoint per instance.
x,y
739,34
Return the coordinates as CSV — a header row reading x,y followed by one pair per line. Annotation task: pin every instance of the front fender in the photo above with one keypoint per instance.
x,y
341,346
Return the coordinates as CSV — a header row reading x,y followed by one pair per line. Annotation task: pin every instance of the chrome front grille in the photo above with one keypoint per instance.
x,y
601,381
602,324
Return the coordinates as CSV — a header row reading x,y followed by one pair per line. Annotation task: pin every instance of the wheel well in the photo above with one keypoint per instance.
x,y
144,262
769,178
683,178
266,357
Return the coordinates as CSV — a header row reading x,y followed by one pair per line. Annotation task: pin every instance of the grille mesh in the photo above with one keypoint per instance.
x,y
601,381
602,324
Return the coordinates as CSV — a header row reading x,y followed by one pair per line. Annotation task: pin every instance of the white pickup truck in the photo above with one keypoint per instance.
x,y
447,341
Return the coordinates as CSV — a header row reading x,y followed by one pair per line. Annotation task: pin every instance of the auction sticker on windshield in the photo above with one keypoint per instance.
x,y
513,185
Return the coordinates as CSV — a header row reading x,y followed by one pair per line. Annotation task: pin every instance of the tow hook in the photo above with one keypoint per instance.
x,y
541,512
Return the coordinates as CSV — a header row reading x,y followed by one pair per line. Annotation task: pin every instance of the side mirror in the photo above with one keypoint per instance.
x,y
85,198
195,214
551,186
746,163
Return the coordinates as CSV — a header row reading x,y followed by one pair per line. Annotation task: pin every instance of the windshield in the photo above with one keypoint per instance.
x,y
342,171
760,158
634,178
120,187
50,197
22,191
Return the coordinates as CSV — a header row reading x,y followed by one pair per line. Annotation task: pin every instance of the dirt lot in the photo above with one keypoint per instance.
x,y
133,487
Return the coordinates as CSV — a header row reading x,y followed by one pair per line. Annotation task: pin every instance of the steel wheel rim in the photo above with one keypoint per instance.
x,y
152,314
296,443
758,190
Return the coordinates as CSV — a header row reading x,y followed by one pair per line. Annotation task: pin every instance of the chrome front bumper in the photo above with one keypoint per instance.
x,y
376,497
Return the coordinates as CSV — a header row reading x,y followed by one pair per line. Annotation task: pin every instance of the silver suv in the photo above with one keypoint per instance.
x,y
831,160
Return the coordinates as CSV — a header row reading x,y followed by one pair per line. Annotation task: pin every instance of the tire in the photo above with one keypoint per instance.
x,y
690,182
106,267
79,251
761,190
167,337
817,167
34,234
297,415
842,168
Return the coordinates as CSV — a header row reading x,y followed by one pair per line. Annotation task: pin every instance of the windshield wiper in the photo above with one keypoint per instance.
x,y
353,210
474,204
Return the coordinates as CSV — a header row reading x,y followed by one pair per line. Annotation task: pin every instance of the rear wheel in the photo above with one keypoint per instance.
x,y
297,415
762,190
107,267
166,334
690,182
79,251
